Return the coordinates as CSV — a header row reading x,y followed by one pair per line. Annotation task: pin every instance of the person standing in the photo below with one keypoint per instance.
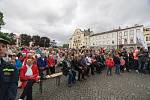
x,y
29,74
8,75
117,63
110,64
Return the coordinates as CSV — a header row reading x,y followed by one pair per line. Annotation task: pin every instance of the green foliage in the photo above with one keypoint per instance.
x,y
1,19
65,45
36,40
7,37
44,42
25,39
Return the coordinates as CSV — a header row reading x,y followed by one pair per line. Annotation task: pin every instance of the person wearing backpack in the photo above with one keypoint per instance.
x,y
110,64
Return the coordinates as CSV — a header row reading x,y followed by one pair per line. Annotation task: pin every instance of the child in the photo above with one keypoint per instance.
x,y
109,64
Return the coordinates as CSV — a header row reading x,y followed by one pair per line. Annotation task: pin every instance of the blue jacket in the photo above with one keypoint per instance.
x,y
41,63
18,63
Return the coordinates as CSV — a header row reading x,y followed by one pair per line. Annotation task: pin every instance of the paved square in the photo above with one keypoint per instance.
x,y
127,86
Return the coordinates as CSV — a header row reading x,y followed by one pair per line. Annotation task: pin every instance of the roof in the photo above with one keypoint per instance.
x,y
116,30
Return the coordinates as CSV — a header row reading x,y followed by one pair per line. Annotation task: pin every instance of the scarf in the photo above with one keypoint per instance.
x,y
29,71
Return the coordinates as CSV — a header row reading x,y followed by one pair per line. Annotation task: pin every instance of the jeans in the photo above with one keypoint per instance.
x,y
109,71
117,70
41,73
71,77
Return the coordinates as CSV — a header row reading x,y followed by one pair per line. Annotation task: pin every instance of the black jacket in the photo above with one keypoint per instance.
x,y
8,81
116,60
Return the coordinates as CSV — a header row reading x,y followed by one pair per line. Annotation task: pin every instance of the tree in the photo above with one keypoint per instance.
x,y
7,37
1,19
44,42
25,39
36,40
65,45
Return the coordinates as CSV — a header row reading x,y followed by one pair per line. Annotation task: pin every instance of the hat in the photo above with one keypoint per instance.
x,y
4,41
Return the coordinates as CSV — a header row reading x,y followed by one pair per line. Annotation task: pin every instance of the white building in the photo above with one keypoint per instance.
x,y
147,36
126,37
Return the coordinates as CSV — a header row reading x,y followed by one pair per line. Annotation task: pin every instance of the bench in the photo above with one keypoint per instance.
x,y
40,82
55,75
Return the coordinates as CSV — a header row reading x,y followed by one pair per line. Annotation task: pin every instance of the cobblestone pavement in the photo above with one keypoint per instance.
x,y
127,86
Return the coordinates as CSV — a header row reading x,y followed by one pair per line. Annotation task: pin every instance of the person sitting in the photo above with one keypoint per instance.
x,y
41,63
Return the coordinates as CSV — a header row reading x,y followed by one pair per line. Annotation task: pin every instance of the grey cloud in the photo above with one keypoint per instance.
x,y
58,19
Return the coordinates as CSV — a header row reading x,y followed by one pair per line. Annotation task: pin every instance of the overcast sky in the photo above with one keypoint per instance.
x,y
58,19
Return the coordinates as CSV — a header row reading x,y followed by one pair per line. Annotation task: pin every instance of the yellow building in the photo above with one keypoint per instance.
x,y
80,39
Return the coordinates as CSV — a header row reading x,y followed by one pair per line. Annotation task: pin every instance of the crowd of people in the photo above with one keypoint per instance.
x,y
30,64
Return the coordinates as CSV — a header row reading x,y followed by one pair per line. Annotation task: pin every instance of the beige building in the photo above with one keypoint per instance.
x,y
147,36
80,39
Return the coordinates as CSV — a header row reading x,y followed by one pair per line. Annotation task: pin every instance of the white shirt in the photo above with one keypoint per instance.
x,y
29,71
88,60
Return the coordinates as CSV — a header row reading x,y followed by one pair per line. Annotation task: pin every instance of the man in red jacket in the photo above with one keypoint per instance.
x,y
28,75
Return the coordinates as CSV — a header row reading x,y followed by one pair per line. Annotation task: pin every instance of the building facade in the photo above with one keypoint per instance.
x,y
122,37
129,37
147,36
80,39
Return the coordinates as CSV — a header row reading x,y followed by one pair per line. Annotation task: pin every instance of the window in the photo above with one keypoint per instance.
x,y
120,42
120,34
131,40
112,42
107,42
125,41
147,39
138,31
103,36
131,32
108,35
111,34
125,33
99,42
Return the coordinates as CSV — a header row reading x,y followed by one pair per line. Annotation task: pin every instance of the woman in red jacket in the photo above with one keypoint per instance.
x,y
109,64
51,64
28,75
